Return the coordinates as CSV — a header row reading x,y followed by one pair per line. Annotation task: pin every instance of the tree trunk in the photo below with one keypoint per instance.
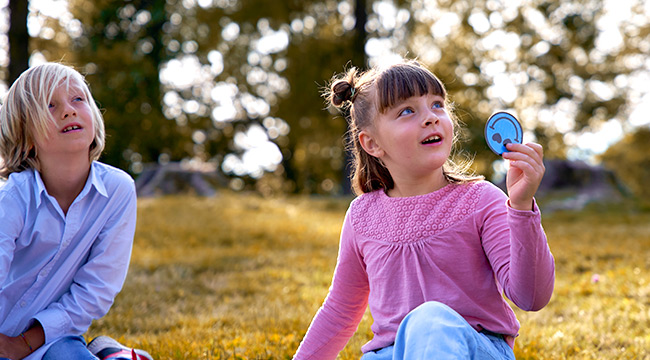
x,y
18,39
360,36
359,60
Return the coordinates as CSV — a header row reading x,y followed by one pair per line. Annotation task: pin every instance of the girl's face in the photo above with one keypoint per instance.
x,y
413,138
71,131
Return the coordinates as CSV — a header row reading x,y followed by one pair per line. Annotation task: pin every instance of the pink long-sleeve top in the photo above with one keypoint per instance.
x,y
461,245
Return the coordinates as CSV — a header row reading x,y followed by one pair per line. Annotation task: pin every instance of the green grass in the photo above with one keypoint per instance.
x,y
240,277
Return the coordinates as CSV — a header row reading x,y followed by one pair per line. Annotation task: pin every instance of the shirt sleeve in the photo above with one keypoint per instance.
x,y
339,316
100,278
12,220
516,246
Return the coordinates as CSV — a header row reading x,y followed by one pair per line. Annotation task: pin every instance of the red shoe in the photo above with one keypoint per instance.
x,y
106,348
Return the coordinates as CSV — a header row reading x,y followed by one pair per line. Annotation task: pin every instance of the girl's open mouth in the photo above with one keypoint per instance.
x,y
432,140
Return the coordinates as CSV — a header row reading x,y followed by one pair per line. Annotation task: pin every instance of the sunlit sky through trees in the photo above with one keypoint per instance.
x,y
261,154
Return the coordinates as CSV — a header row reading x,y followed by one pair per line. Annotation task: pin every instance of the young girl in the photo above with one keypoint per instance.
x,y
428,249
66,221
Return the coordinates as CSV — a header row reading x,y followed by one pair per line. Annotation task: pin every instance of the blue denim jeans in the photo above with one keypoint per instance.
x,y
435,331
69,348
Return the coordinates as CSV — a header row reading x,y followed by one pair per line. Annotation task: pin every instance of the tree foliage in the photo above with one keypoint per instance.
x,y
122,48
276,58
545,60
231,83
629,160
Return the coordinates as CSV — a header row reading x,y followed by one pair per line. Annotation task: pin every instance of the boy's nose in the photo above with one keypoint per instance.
x,y
67,112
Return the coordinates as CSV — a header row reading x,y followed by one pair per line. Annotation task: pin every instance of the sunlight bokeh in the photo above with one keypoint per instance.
x,y
230,103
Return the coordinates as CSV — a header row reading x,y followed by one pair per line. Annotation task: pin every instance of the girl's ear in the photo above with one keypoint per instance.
x,y
370,145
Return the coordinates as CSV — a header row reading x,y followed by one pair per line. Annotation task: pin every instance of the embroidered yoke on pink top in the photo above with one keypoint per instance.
x,y
448,246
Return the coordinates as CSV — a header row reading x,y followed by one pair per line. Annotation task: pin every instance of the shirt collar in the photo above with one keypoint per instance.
x,y
94,180
40,187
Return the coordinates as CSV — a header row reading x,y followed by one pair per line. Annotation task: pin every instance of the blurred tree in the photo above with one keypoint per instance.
x,y
630,161
18,39
274,60
121,48
210,80
559,65
237,83
550,63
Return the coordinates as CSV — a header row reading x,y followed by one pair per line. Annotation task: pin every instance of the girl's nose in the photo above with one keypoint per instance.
x,y
430,118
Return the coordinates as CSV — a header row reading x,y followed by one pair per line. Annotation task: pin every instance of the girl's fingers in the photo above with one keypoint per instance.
x,y
527,168
528,158
533,150
520,157
538,149
525,173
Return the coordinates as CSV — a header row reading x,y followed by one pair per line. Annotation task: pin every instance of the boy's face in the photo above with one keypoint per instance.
x,y
71,131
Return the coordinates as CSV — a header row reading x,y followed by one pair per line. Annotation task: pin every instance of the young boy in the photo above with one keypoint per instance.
x,y
67,221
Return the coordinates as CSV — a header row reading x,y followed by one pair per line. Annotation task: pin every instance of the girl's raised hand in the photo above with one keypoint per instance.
x,y
525,173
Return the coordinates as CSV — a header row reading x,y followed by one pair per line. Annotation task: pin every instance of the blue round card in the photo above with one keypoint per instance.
x,y
502,128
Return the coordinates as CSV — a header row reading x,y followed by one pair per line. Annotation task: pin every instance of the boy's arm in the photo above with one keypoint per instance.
x,y
11,224
99,280
20,346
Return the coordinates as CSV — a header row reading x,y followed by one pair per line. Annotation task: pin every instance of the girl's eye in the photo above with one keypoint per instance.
x,y
406,111
438,105
49,106
78,98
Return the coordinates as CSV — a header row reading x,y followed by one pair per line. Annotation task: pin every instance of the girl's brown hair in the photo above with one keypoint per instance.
x,y
370,93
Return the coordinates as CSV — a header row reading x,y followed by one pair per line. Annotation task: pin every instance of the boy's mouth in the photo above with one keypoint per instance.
x,y
70,128
432,140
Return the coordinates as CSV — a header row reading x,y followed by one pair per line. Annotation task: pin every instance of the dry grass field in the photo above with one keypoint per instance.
x,y
240,277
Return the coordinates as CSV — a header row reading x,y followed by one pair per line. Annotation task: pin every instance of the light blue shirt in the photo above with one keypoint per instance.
x,y
63,270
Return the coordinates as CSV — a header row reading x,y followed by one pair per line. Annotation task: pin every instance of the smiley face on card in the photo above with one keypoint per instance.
x,y
501,129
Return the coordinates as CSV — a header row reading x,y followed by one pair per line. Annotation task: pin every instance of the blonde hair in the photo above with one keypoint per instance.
x,y
24,115
369,93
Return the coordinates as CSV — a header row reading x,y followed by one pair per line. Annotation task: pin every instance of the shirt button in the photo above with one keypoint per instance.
x,y
23,304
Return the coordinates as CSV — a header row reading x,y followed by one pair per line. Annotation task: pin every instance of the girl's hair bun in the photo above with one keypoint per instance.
x,y
343,88
342,91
